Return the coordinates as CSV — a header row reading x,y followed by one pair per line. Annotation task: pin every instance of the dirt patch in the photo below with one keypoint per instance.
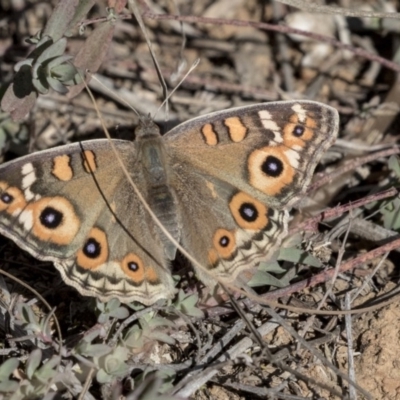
x,y
378,364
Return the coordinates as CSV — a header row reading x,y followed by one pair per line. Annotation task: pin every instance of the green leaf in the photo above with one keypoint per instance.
x,y
103,377
41,86
120,313
55,50
262,278
134,338
66,73
58,61
48,371
113,364
273,267
95,350
8,386
115,310
11,131
391,214
56,85
394,165
27,314
299,256
100,305
60,19
33,362
187,304
112,305
111,309
7,368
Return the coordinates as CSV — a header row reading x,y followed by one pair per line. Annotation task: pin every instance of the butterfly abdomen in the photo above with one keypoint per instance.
x,y
163,204
159,194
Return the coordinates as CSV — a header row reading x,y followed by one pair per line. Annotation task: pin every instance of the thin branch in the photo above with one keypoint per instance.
x,y
322,179
327,275
321,9
310,223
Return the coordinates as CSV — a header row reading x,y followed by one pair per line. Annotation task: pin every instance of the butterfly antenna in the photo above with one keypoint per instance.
x,y
181,63
133,7
193,66
112,94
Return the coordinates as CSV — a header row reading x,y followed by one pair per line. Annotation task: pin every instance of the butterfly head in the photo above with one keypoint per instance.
x,y
146,128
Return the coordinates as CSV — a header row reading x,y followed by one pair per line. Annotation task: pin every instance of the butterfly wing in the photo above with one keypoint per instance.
x,y
226,230
238,171
74,206
267,150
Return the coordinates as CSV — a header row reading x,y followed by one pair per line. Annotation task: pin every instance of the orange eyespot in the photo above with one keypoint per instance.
x,y
248,212
271,170
53,220
94,252
11,198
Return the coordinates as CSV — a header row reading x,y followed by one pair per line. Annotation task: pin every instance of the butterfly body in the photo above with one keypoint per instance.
x,y
159,193
221,185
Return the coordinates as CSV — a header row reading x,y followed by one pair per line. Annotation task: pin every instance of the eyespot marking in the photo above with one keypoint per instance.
x,y
236,129
248,212
54,220
224,245
6,198
133,267
11,199
209,135
89,161
224,242
62,169
94,252
270,169
296,133
51,218
272,166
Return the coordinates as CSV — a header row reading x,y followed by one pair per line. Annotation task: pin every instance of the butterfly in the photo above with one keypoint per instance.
x,y
221,184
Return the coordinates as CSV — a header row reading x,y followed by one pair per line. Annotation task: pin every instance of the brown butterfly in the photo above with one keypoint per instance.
x,y
221,184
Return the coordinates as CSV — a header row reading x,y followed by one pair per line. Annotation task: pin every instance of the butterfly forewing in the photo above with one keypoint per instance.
x,y
74,206
268,150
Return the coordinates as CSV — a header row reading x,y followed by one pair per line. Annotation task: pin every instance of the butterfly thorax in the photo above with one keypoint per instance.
x,y
159,194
